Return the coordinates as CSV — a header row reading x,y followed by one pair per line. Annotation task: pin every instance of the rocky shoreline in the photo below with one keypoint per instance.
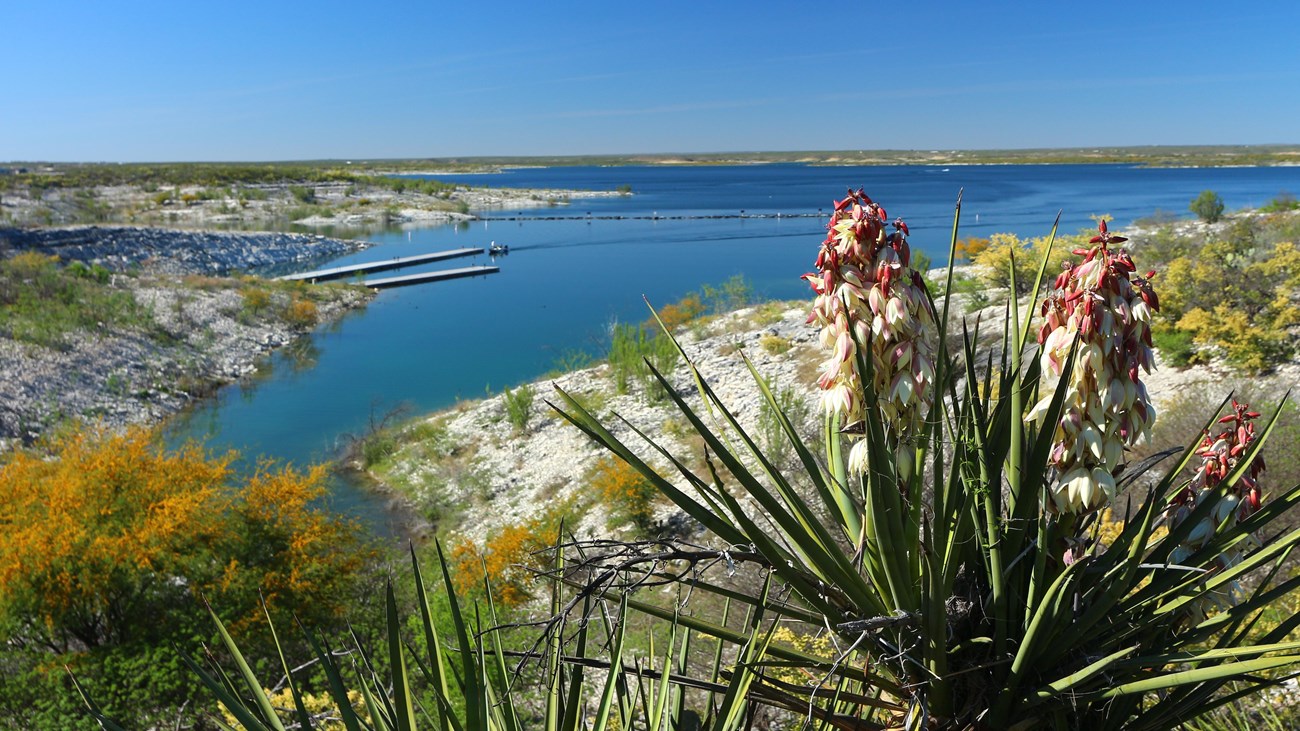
x,y
363,203
201,328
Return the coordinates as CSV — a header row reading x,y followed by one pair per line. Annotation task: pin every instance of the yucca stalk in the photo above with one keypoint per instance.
x,y
963,588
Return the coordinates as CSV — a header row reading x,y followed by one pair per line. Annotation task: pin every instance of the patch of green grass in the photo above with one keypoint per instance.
x,y
630,347
43,303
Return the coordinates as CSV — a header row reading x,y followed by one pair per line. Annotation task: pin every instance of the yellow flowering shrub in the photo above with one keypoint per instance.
x,y
322,708
1237,303
993,261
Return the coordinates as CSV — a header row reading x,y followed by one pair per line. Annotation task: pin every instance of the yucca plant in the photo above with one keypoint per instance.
x,y
945,538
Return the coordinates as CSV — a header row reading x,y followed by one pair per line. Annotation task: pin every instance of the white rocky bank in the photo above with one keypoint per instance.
x,y
528,470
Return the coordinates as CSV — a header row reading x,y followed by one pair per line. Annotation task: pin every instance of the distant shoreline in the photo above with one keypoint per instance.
x,y
1154,155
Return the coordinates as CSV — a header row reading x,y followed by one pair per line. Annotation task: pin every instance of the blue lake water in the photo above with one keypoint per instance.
x,y
565,281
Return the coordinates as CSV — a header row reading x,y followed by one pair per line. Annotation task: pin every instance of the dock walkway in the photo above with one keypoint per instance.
x,y
379,266
405,279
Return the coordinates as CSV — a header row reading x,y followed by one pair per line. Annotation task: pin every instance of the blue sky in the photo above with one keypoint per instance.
x,y
274,80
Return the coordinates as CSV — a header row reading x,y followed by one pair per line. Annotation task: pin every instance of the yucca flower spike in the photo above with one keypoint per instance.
x,y
1101,304
868,294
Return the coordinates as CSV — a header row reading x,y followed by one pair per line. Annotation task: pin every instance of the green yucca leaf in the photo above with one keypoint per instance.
x,y
725,634
251,683
1199,675
1068,683
475,711
337,688
300,709
96,712
834,495
401,686
554,642
573,700
505,704
373,688
435,671
735,700
581,418
601,720
807,536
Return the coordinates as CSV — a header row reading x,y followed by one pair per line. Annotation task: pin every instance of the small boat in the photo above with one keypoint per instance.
x,y
496,249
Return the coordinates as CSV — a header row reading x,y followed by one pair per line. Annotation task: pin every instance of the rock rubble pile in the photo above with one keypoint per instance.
x,y
174,251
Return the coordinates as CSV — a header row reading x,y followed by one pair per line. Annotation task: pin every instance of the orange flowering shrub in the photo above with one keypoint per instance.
x,y
297,557
96,530
679,313
301,312
102,544
508,559
626,493
969,248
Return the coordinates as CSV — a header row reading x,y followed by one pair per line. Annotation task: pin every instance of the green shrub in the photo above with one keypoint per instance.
x,y
732,294
1250,322
630,346
519,406
1175,346
303,194
774,344
255,299
994,260
1281,203
1207,206
571,360
300,312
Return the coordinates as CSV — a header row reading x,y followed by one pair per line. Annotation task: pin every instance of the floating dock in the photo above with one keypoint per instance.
x,y
349,270
407,279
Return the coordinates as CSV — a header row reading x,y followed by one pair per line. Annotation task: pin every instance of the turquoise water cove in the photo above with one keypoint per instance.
x,y
572,270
